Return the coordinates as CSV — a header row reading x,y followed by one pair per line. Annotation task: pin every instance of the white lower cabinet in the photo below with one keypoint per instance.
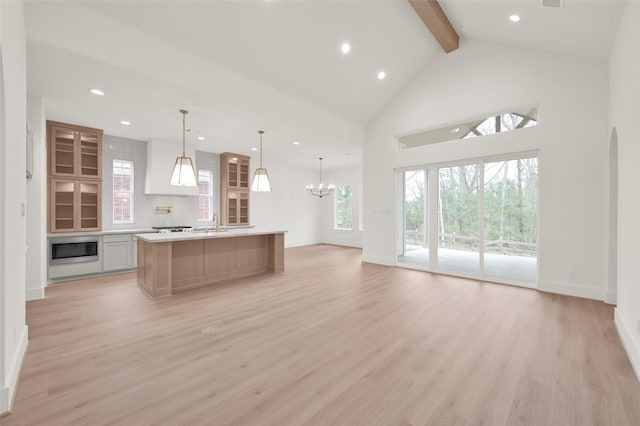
x,y
117,252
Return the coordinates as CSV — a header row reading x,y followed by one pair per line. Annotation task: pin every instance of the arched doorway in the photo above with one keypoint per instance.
x,y
613,218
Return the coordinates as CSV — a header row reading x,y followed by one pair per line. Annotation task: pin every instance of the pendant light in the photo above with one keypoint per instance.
x,y
183,171
321,190
261,178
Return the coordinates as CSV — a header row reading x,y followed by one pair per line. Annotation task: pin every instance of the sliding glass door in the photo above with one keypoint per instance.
x,y
476,219
510,219
458,219
414,227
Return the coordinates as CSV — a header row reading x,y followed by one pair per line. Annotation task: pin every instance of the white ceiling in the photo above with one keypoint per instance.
x,y
275,65
581,27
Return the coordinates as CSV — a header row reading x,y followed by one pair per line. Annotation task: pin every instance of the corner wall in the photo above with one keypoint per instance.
x,y
13,197
36,273
485,78
287,206
624,116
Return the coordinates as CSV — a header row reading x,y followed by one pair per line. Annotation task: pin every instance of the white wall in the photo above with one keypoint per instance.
x,y
185,208
288,206
13,197
36,273
624,116
482,78
342,176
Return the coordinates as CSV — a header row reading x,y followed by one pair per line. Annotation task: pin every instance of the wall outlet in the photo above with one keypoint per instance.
x,y
572,274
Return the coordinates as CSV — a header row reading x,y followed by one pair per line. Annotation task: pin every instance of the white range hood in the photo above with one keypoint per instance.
x,y
161,156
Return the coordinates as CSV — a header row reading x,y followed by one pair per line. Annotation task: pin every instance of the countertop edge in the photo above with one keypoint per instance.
x,y
130,231
188,236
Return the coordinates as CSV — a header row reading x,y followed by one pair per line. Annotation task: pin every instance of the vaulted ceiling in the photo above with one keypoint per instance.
x,y
273,65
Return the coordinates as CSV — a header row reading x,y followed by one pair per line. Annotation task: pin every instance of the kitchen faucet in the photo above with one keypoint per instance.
x,y
216,221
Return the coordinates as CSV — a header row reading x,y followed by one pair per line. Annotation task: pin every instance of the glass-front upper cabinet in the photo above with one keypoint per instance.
x,y
74,151
76,205
235,169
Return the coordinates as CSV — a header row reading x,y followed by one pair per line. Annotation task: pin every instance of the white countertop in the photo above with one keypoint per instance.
x,y
133,231
200,235
109,232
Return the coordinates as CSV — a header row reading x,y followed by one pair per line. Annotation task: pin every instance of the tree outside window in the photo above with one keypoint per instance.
x,y
343,211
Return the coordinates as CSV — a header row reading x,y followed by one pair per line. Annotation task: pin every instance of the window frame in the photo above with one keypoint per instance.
x,y
131,192
336,208
209,196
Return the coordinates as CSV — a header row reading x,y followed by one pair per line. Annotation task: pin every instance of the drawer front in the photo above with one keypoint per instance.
x,y
116,238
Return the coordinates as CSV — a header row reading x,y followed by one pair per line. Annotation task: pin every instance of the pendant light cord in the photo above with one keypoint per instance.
x,y
320,170
184,132
261,133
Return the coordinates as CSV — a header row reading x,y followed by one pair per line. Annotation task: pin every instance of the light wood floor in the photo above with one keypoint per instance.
x,y
329,341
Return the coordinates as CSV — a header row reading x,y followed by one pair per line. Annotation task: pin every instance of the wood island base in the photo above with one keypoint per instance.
x,y
168,267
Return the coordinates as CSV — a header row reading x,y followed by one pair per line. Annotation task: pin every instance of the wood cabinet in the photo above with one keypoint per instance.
x,y
75,177
74,151
235,177
75,205
234,171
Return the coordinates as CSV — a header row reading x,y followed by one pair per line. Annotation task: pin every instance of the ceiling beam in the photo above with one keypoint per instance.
x,y
436,20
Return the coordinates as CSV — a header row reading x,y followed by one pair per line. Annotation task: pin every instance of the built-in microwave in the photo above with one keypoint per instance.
x,y
73,249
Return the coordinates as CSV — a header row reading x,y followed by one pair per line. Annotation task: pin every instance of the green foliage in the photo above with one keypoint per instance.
x,y
510,206
343,207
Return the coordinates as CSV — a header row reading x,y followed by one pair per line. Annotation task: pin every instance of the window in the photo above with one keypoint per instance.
x,y
343,213
205,195
501,123
123,184
487,125
481,222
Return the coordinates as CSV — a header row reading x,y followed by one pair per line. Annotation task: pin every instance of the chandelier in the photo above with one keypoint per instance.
x,y
321,190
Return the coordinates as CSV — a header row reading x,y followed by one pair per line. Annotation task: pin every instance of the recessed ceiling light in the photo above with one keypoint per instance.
x,y
125,122
381,75
97,92
456,130
346,47
200,138
514,18
296,143
254,149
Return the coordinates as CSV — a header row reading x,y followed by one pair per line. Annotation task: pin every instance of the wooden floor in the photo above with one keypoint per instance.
x,y
330,341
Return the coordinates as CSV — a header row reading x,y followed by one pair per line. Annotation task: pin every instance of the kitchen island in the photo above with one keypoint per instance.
x,y
180,261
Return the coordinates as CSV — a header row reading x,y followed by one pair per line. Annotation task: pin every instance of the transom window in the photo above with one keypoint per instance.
x,y
497,123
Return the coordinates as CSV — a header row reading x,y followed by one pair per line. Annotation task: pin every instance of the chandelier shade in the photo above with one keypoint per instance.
x,y
184,173
321,190
261,181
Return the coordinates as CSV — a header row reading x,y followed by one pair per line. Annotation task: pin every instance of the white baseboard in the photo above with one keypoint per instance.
x,y
35,294
354,244
378,260
611,298
573,290
7,393
288,244
631,346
